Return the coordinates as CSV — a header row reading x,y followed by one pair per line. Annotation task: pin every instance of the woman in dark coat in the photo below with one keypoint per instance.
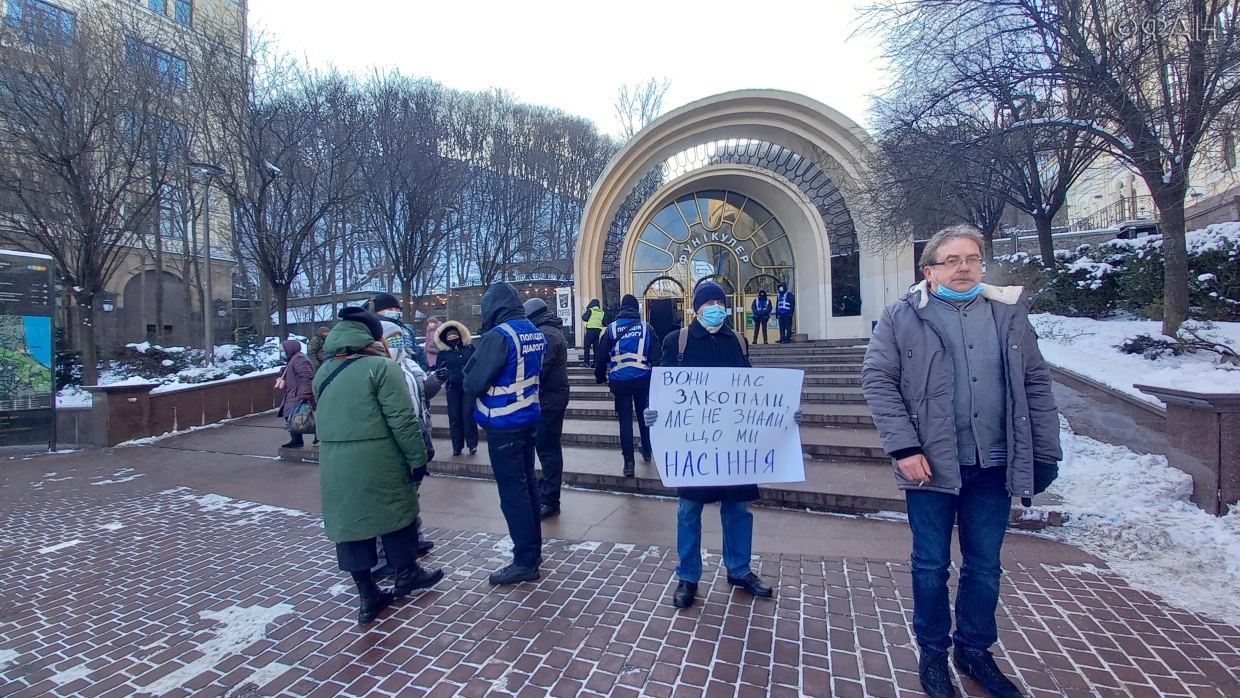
x,y
455,350
297,379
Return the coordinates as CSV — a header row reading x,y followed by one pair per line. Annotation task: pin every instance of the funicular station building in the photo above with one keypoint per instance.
x,y
748,188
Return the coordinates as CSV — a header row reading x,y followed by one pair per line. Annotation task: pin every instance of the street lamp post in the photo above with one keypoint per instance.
x,y
208,319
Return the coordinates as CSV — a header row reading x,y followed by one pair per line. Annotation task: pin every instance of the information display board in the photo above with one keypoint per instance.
x,y
27,386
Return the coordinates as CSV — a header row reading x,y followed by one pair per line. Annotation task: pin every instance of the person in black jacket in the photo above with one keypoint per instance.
x,y
627,350
712,342
455,350
553,399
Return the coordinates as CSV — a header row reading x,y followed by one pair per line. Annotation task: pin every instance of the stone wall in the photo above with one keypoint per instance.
x,y
126,412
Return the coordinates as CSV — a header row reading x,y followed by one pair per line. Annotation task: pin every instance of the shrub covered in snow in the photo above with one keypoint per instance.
x,y
181,365
1127,276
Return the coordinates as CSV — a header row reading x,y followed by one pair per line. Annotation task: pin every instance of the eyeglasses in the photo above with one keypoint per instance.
x,y
956,262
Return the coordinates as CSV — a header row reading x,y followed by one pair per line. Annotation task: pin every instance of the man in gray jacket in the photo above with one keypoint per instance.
x,y
962,401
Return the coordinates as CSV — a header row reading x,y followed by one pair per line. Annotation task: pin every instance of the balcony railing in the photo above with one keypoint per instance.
x,y
1127,208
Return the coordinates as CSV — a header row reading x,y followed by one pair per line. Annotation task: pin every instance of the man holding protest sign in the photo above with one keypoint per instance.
x,y
625,354
709,341
962,400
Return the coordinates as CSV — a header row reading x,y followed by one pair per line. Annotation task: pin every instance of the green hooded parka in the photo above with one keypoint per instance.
x,y
369,438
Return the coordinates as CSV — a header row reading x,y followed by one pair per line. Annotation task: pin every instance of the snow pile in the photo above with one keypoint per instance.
x,y
73,396
1212,238
177,367
1133,511
1091,348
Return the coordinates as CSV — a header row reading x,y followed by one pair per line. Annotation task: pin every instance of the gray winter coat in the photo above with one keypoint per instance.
x,y
907,380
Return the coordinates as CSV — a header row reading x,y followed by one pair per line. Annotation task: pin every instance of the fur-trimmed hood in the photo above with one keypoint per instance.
x,y
466,337
1008,295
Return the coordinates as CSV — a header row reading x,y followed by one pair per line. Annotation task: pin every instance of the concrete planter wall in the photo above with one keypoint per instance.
x,y
125,412
1199,433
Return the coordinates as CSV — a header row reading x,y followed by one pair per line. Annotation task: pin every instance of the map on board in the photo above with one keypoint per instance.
x,y
25,362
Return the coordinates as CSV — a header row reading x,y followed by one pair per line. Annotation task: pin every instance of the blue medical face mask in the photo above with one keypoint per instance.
x,y
947,293
392,314
714,315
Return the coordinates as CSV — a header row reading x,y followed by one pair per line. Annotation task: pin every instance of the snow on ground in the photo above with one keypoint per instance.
x,y
232,362
1133,511
1091,348
73,396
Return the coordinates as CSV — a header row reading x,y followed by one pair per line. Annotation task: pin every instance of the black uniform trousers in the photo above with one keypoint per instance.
x,y
512,460
550,455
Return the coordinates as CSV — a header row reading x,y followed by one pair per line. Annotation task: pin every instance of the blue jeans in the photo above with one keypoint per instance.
x,y
512,460
737,538
981,510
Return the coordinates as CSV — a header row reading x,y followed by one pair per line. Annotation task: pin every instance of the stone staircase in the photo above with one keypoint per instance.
x,y
845,467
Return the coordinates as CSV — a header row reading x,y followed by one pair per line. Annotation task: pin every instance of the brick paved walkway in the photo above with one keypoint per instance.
x,y
176,593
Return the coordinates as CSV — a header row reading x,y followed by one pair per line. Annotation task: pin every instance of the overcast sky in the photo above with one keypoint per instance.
x,y
575,55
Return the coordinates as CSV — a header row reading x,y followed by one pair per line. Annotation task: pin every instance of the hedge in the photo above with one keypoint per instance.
x,y
1126,276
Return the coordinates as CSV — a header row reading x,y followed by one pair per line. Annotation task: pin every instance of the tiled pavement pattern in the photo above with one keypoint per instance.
x,y
179,594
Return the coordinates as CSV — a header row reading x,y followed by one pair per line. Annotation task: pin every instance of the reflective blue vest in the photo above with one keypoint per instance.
x,y
513,400
629,353
783,305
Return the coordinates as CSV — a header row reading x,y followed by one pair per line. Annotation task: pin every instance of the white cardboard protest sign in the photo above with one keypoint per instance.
x,y
726,426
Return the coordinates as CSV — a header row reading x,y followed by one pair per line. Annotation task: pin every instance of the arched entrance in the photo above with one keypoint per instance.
x,y
798,159
715,235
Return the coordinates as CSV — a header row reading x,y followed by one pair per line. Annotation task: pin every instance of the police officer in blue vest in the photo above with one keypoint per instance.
x,y
626,352
785,306
502,377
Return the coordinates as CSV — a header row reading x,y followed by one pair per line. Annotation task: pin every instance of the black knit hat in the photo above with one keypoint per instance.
x,y
383,301
629,301
367,318
708,291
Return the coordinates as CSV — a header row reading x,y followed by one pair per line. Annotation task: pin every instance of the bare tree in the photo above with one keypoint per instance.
x,y
290,154
91,127
409,184
1158,77
639,104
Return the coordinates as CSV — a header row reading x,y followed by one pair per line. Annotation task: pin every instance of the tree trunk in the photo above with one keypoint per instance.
x,y
262,316
146,336
160,337
1175,265
1046,243
90,350
332,276
406,297
281,293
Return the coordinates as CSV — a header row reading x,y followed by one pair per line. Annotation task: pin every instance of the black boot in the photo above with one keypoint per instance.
x,y
980,666
683,596
414,578
424,547
372,598
512,574
297,441
936,678
547,511
630,467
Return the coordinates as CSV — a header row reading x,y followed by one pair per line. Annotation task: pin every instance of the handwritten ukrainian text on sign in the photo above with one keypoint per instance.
x,y
726,426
